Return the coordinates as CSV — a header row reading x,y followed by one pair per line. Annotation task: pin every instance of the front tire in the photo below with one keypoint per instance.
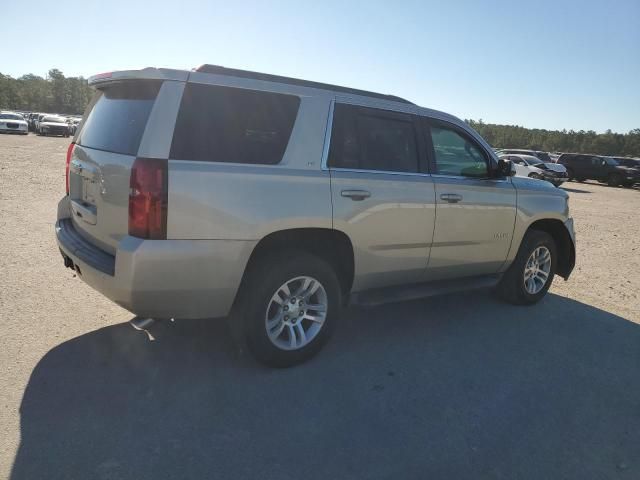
x,y
289,304
614,180
530,275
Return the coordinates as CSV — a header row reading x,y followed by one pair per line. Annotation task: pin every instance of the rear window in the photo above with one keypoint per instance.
x,y
224,124
371,139
119,116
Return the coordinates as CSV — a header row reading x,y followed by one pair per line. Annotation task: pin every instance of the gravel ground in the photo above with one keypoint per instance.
x,y
436,388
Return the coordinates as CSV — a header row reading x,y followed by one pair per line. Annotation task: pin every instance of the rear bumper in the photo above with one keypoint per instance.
x,y
160,278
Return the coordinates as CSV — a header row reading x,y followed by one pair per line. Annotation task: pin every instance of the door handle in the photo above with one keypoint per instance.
x,y
451,197
355,195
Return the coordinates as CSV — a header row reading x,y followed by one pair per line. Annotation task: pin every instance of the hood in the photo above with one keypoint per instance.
x,y
628,170
53,124
541,186
555,167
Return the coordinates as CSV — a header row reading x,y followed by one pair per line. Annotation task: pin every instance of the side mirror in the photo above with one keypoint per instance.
x,y
505,168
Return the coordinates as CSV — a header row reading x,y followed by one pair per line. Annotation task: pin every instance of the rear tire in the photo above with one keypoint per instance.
x,y
309,318
515,286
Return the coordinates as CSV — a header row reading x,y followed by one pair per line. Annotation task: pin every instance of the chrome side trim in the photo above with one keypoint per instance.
x,y
462,177
380,172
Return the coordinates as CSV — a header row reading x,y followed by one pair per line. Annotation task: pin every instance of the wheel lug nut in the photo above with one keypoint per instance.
x,y
293,300
286,317
286,308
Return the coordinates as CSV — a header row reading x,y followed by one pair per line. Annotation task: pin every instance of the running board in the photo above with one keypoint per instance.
x,y
401,293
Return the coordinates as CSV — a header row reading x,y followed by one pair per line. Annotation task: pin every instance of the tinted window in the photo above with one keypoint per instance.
x,y
118,119
371,139
455,154
544,156
222,124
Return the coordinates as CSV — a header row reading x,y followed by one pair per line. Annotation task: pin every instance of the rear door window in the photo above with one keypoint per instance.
x,y
119,116
224,124
372,139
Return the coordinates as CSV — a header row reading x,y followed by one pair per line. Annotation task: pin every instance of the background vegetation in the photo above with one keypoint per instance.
x,y
70,95
608,143
53,94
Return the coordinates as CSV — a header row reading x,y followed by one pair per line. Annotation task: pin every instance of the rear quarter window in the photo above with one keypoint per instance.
x,y
225,124
119,116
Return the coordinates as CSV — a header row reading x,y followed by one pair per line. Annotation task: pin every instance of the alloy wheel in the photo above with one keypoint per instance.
x,y
296,313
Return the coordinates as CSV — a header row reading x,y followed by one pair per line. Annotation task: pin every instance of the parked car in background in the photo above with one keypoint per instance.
x,y
608,170
192,194
628,162
533,167
38,119
544,156
11,122
53,125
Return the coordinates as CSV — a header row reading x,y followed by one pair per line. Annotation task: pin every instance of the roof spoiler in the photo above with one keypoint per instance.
x,y
148,73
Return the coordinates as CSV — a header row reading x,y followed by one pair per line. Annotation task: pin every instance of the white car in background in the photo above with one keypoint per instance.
x,y
533,167
53,125
11,122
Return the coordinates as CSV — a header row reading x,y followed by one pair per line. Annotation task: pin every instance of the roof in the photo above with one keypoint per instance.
x,y
232,72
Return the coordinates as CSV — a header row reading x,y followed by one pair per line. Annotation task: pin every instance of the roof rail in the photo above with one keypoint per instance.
x,y
233,72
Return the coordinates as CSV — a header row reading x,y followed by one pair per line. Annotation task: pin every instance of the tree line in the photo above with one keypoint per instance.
x,y
607,143
54,94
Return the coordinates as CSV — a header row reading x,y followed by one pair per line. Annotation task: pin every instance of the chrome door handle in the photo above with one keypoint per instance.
x,y
451,197
355,195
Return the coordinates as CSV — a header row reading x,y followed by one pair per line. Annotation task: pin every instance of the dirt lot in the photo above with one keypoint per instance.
x,y
439,388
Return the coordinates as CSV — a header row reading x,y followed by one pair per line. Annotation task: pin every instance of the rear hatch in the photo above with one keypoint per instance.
x,y
101,161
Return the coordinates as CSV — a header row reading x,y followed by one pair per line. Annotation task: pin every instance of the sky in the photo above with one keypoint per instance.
x,y
540,64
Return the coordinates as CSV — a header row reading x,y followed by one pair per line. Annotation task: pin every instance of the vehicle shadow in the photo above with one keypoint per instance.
x,y
449,387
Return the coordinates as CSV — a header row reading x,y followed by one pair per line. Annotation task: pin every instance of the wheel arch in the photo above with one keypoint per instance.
x,y
564,243
331,245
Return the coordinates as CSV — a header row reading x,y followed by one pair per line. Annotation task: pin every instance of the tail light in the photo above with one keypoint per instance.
x,y
66,170
148,199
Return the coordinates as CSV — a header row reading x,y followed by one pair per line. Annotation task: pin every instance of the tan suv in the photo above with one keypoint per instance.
x,y
192,194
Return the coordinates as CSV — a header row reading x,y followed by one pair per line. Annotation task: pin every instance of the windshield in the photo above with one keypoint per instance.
x,y
53,119
535,161
10,116
610,161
